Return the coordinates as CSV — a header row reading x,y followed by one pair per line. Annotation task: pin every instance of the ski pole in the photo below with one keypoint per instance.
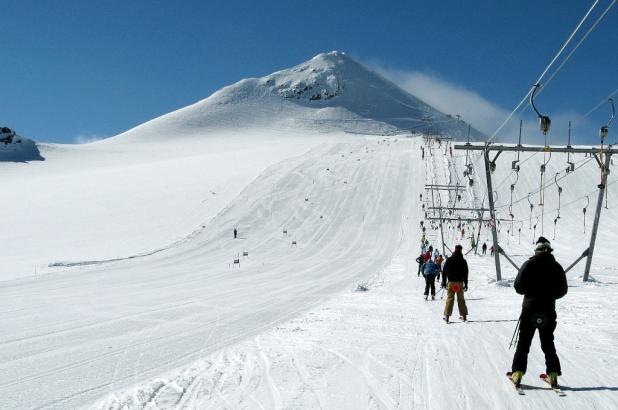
x,y
442,293
514,333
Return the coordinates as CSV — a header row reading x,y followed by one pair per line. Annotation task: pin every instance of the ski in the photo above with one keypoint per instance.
x,y
518,387
556,389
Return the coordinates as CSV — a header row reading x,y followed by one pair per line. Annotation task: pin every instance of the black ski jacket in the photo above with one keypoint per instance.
x,y
541,280
455,269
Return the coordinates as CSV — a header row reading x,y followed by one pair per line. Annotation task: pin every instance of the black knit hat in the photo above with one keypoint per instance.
x,y
543,245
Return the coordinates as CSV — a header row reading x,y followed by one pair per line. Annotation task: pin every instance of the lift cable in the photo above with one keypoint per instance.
x,y
566,43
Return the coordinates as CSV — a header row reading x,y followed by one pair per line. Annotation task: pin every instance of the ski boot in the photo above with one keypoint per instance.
x,y
553,380
433,297
463,317
516,378
445,318
425,297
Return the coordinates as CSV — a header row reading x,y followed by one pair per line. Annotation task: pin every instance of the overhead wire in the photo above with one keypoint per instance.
x,y
551,63
566,43
596,107
598,20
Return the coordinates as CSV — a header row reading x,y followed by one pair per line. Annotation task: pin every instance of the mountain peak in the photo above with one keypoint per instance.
x,y
331,91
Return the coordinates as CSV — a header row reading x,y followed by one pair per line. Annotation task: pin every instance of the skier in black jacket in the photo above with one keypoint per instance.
x,y
456,272
541,280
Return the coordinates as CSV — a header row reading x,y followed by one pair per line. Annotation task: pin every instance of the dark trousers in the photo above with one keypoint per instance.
x,y
430,282
545,322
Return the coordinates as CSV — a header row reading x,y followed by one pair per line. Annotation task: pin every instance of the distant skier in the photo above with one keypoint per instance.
x,y
484,248
421,196
541,280
420,260
430,249
456,273
436,252
492,250
235,233
430,271
439,260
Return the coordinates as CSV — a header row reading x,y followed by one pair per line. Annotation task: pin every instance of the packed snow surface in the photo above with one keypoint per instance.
x,y
185,328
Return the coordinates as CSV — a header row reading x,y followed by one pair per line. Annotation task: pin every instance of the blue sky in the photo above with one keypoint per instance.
x,y
78,70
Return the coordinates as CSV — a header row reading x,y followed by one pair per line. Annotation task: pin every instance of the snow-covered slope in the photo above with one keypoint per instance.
x,y
331,91
387,348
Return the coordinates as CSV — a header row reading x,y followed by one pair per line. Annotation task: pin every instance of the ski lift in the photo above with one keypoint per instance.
x,y
544,121
521,225
531,207
605,129
514,165
534,230
603,134
245,252
511,200
555,222
584,211
543,169
559,193
571,166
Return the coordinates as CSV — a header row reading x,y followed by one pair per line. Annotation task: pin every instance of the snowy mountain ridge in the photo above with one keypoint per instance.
x,y
330,92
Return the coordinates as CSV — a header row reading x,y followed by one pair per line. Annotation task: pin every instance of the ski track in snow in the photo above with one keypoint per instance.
x,y
388,348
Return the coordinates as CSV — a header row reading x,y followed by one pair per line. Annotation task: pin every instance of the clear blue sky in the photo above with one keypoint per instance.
x,y
76,68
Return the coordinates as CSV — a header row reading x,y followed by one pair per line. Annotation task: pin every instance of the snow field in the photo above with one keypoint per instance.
x,y
388,347
88,330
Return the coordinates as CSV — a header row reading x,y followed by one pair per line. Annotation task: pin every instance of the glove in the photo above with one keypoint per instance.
x,y
466,288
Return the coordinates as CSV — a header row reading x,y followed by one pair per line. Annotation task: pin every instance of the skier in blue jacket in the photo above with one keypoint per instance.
x,y
430,271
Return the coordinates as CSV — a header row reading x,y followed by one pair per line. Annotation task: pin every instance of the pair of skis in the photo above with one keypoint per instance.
x,y
460,318
542,376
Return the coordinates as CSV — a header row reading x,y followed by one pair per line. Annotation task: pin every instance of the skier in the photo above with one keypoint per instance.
x,y
541,280
438,261
421,197
430,270
456,272
484,248
436,252
491,250
430,250
420,260
235,233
